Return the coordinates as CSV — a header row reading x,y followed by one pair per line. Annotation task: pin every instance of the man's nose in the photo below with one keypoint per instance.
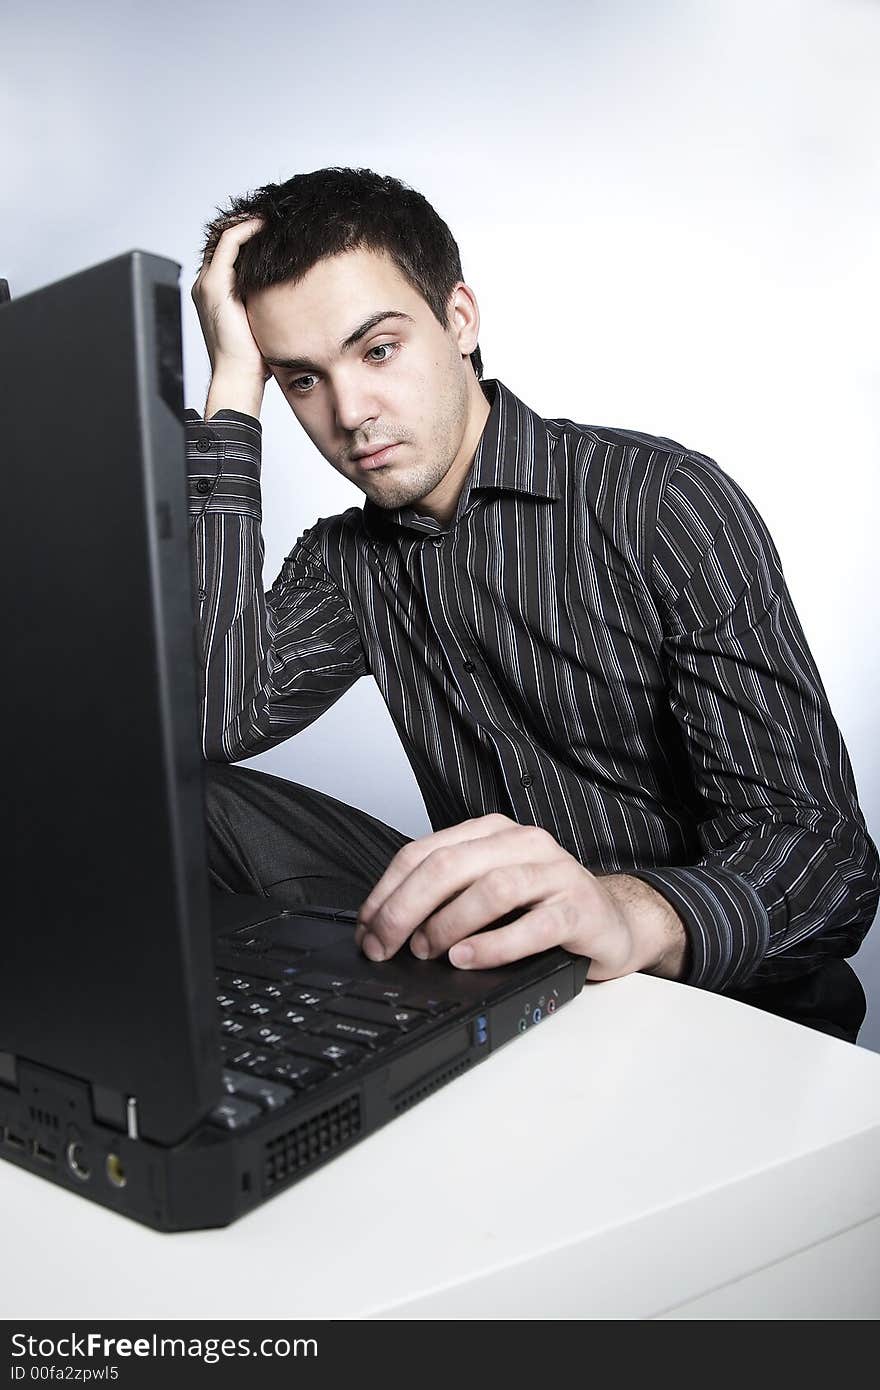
x,y
354,406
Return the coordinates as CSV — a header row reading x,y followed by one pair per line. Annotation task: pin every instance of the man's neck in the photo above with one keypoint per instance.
x,y
442,502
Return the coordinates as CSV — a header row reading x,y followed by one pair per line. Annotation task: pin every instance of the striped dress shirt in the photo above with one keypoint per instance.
x,y
601,642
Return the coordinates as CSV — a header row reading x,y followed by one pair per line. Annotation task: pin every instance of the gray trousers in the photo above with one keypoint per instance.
x,y
281,840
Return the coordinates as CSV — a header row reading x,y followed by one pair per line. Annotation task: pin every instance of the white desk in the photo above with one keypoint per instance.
x,y
652,1151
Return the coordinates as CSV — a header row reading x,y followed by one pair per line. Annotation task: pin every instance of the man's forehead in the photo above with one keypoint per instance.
x,y
332,307
360,272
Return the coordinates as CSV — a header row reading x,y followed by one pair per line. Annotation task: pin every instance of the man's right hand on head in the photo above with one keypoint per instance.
x,y
236,362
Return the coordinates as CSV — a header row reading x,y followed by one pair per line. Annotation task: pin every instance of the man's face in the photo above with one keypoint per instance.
x,y
364,364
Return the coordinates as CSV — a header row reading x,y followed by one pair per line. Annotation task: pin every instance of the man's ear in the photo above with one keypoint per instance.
x,y
463,317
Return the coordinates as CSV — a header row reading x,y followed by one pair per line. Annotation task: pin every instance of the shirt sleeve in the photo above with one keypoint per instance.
x,y
270,662
788,874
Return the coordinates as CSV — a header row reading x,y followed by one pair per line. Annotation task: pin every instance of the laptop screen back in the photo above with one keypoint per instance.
x,y
105,961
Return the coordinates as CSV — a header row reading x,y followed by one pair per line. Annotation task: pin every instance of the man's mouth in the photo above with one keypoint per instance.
x,y
376,458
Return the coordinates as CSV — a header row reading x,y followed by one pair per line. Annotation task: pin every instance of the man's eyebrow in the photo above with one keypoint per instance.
x,y
302,364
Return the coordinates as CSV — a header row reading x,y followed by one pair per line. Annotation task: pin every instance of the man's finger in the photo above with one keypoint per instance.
x,y
411,856
445,872
230,242
505,889
535,931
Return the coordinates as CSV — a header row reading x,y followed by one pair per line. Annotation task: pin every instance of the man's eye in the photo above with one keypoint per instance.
x,y
388,348
301,383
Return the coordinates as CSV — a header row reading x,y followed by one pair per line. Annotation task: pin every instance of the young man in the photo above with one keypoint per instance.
x,y
583,636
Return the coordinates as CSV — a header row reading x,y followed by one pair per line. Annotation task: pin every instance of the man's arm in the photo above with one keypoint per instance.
x,y
271,663
789,875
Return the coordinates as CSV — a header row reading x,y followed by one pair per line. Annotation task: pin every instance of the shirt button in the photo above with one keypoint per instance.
x,y
437,541
469,666
203,593
527,779
203,444
203,485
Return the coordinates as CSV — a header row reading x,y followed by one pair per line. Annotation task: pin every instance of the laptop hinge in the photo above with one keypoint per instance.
x,y
112,1108
109,1107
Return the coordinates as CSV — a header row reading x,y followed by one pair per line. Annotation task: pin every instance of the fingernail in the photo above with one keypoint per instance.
x,y
373,947
462,954
419,946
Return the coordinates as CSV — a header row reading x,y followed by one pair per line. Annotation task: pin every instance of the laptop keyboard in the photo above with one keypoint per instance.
x,y
285,1028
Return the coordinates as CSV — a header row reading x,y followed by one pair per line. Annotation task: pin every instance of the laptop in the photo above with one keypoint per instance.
x,y
176,1054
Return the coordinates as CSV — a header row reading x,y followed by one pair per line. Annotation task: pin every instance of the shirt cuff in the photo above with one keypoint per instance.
x,y
223,460
727,925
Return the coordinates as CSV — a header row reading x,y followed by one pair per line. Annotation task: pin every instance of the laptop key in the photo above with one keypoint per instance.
x,y
254,1008
310,997
269,1095
233,1113
355,1030
249,1058
231,1027
292,1016
433,1006
334,1054
371,1011
227,1001
268,1035
294,1071
399,994
238,983
270,990
318,979
408,1019
387,1014
373,989
235,984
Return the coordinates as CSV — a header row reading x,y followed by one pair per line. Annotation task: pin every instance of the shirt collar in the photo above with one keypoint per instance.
x,y
513,455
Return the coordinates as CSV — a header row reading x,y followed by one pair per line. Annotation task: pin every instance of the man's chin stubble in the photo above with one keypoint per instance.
x,y
391,494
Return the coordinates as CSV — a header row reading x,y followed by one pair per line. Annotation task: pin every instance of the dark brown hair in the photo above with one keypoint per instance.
x,y
329,211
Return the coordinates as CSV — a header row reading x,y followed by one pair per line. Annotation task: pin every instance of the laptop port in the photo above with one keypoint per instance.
x,y
77,1161
43,1154
115,1170
15,1141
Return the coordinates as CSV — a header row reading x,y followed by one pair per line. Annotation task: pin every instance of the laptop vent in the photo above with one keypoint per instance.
x,y
440,1078
312,1140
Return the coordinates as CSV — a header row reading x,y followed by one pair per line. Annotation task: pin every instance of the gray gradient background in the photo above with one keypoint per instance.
x,y
668,212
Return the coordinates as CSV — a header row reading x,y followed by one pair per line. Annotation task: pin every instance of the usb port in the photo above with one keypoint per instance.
x,y
15,1141
44,1155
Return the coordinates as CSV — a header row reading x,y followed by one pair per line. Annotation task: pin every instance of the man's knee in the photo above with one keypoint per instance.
x,y
227,785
